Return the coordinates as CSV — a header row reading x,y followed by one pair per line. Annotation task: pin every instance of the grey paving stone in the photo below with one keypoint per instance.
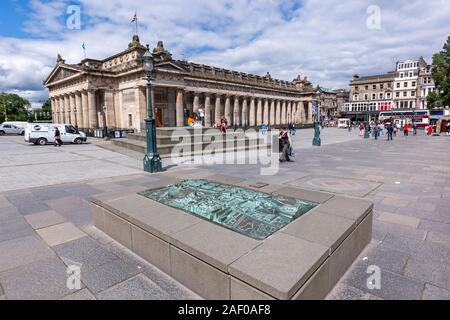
x,y
434,226
68,205
60,233
85,251
393,286
81,217
431,272
13,228
168,284
438,237
49,193
136,288
385,258
27,203
81,295
44,219
435,293
345,292
82,190
399,219
383,228
41,280
108,275
418,249
8,212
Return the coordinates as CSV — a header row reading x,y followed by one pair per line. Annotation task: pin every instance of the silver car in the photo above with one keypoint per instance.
x,y
11,129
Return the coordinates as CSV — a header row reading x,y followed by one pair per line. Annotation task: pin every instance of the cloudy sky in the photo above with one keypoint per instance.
x,y
326,40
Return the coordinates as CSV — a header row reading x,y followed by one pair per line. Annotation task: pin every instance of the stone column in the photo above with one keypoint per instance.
x,y
266,113
85,106
278,113
310,116
237,112
284,113
272,113
180,109
218,110
244,119
53,107
72,109
252,113
66,109
228,110
289,112
207,110
92,106
78,104
301,118
196,103
259,113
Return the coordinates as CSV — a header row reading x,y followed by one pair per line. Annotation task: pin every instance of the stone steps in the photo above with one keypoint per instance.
x,y
189,149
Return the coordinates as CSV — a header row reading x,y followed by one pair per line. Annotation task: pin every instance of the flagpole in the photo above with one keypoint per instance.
x,y
137,26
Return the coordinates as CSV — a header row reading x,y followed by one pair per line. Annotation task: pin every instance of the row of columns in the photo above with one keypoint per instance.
x,y
78,108
241,110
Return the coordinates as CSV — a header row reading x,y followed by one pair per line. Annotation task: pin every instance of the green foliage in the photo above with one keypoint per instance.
x,y
441,76
14,107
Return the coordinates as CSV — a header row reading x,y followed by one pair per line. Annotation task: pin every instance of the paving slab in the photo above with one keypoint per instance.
x,y
393,285
346,292
385,258
136,288
399,219
60,233
428,271
108,275
14,227
85,251
350,208
45,219
41,280
22,251
435,293
82,295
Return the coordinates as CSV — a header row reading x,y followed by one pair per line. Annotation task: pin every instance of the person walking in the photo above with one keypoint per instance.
x,y
58,141
202,117
448,129
361,129
414,129
430,130
406,130
285,143
223,125
390,132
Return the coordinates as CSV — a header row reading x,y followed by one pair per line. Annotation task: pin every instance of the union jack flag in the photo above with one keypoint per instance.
x,y
134,18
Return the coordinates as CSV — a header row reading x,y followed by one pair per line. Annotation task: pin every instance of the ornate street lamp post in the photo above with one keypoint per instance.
x,y
152,160
317,142
366,127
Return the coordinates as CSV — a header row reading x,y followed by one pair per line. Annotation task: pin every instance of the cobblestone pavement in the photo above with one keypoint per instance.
x,y
45,221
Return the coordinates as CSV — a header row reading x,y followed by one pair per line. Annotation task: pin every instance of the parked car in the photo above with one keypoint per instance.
x,y
44,133
11,129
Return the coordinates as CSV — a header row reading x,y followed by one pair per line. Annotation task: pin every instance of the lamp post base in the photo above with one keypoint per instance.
x,y
317,142
152,163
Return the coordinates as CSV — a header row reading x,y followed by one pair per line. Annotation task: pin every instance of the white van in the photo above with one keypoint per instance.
x,y
344,123
43,133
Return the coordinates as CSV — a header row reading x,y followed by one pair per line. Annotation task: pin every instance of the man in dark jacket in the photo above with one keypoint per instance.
x,y
58,141
390,131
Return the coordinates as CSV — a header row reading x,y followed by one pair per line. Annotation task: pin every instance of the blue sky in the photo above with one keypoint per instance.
x,y
327,40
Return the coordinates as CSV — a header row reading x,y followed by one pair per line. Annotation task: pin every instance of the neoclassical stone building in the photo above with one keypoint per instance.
x,y
113,92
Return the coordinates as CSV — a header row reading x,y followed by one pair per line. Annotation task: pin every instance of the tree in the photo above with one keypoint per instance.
x,y
441,76
13,107
44,113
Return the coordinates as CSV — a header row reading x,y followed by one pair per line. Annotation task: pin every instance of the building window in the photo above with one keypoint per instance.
x,y
130,120
374,96
410,74
374,87
401,75
413,84
398,84
397,94
413,93
381,96
405,84
366,97
381,86
388,95
367,87
405,94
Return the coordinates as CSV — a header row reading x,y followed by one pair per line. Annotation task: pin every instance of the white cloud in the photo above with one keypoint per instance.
x,y
326,40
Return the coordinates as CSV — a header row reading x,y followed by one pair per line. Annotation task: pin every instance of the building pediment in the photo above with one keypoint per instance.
x,y
61,72
169,66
